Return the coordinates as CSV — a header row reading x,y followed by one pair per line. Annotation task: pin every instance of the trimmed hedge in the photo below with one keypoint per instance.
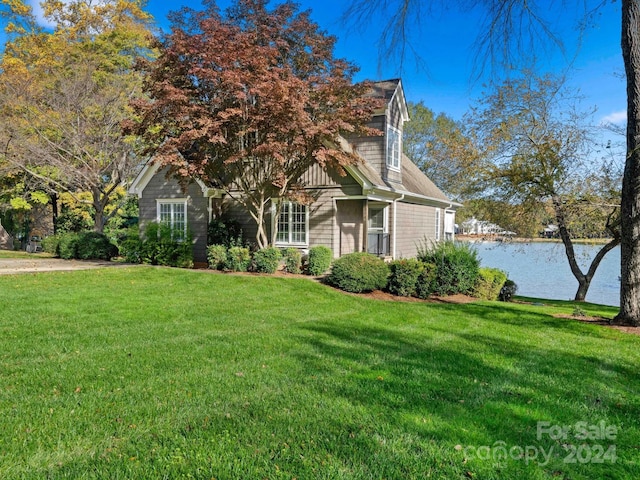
x,y
490,282
238,259
359,272
319,260
457,267
426,284
267,260
404,276
216,256
81,246
292,260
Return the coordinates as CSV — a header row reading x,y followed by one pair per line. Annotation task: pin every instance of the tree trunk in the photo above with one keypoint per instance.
x,y
630,204
98,204
54,211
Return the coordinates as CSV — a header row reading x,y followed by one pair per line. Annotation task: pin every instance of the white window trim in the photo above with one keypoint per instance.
x,y
389,155
274,224
437,225
171,201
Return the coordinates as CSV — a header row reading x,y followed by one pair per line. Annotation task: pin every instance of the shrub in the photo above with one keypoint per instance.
x,y
50,244
489,283
507,291
238,259
404,275
292,260
426,283
217,256
68,246
159,248
224,231
132,246
359,272
95,245
267,260
456,264
319,260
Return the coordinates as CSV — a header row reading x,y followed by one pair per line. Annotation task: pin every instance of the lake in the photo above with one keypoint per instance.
x,y
541,269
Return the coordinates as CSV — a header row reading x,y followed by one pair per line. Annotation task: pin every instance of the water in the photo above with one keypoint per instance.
x,y
541,270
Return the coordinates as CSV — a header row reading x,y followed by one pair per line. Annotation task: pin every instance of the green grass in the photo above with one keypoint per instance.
x,y
163,373
22,254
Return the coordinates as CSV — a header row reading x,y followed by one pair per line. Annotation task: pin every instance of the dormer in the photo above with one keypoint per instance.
x,y
384,153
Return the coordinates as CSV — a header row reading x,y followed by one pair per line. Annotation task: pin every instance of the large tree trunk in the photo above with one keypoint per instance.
x,y
630,205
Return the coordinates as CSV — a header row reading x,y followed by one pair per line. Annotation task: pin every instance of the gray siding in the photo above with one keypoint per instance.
x,y
159,188
415,224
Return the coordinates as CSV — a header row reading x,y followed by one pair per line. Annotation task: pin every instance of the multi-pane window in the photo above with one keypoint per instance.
x,y
292,224
174,214
437,224
393,147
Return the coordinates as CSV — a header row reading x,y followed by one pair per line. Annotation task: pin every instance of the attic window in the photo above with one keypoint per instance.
x,y
393,148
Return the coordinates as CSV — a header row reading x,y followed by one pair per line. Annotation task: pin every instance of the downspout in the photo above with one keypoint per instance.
x,y
395,230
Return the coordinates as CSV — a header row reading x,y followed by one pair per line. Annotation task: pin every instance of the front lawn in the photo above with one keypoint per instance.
x,y
164,373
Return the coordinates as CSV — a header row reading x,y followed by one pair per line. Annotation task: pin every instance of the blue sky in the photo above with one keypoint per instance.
x,y
445,42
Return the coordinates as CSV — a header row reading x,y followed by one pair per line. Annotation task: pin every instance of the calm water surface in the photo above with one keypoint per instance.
x,y
542,270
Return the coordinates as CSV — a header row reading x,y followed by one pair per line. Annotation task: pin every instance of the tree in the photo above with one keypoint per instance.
x,y
442,150
65,93
539,142
248,101
515,29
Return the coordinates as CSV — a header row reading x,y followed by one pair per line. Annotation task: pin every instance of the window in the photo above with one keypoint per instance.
x,y
377,218
174,213
292,225
437,224
393,148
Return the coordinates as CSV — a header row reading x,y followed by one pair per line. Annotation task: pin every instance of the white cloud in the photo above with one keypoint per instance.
x,y
617,118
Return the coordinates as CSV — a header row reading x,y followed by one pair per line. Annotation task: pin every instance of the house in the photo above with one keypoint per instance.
x,y
385,205
6,241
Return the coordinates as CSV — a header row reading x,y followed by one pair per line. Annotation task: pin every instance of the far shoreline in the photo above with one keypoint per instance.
x,y
508,239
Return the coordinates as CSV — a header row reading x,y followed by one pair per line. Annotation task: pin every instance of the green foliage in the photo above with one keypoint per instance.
x,y
50,244
217,256
456,264
292,260
238,259
359,272
68,246
95,245
81,246
507,291
224,231
267,260
404,276
489,283
159,248
426,283
319,260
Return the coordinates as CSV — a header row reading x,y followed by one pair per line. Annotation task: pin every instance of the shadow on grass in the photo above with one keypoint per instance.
x,y
460,386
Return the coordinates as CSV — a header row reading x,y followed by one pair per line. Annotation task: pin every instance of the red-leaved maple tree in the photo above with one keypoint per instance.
x,y
247,100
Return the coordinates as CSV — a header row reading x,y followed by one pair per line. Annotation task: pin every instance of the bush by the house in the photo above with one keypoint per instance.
x,y
292,260
359,272
426,283
507,291
217,256
160,248
224,231
490,282
238,259
132,246
267,260
319,260
403,278
456,264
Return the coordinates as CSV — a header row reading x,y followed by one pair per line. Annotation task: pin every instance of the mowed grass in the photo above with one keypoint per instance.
x,y
165,373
